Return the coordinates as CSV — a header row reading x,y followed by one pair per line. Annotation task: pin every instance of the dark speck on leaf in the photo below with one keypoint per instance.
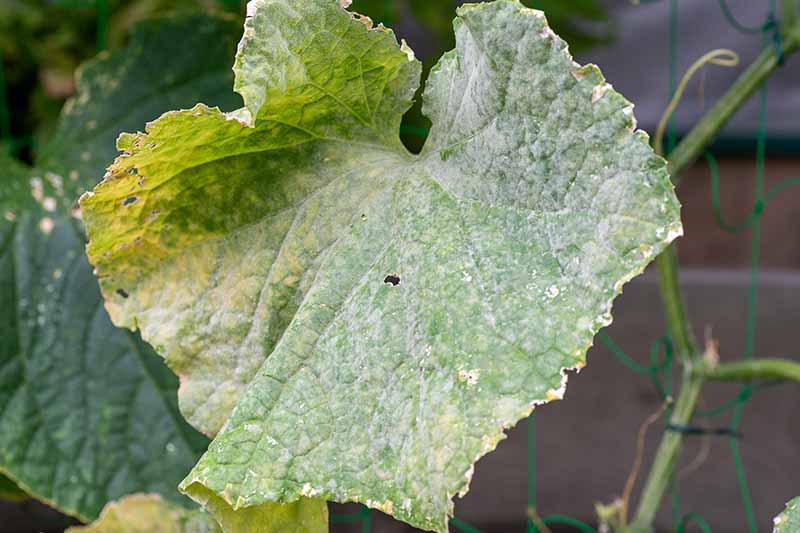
x,y
130,200
394,279
122,292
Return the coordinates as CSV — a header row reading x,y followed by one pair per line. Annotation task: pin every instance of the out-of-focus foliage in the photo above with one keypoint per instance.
x,y
43,41
582,23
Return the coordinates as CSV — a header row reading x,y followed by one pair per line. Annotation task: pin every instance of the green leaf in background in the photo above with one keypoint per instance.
x,y
429,26
307,515
789,520
88,412
15,192
14,197
42,42
9,490
584,24
372,320
157,72
148,513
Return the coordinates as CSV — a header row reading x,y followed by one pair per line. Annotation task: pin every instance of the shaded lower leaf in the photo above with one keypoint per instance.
x,y
148,513
88,411
15,188
306,515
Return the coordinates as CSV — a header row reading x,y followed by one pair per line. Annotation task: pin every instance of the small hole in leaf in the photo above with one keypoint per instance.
x,y
122,292
394,279
130,200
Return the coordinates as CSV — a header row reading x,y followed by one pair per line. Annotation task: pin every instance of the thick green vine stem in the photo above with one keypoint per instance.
x,y
667,454
674,309
754,369
695,373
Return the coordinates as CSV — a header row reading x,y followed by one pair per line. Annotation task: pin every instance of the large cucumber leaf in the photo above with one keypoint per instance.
x,y
88,412
354,322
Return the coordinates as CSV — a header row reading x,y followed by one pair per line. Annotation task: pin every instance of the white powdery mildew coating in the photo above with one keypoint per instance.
x,y
599,90
407,50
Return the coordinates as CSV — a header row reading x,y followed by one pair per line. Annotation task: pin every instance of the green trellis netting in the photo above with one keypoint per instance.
x,y
659,369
